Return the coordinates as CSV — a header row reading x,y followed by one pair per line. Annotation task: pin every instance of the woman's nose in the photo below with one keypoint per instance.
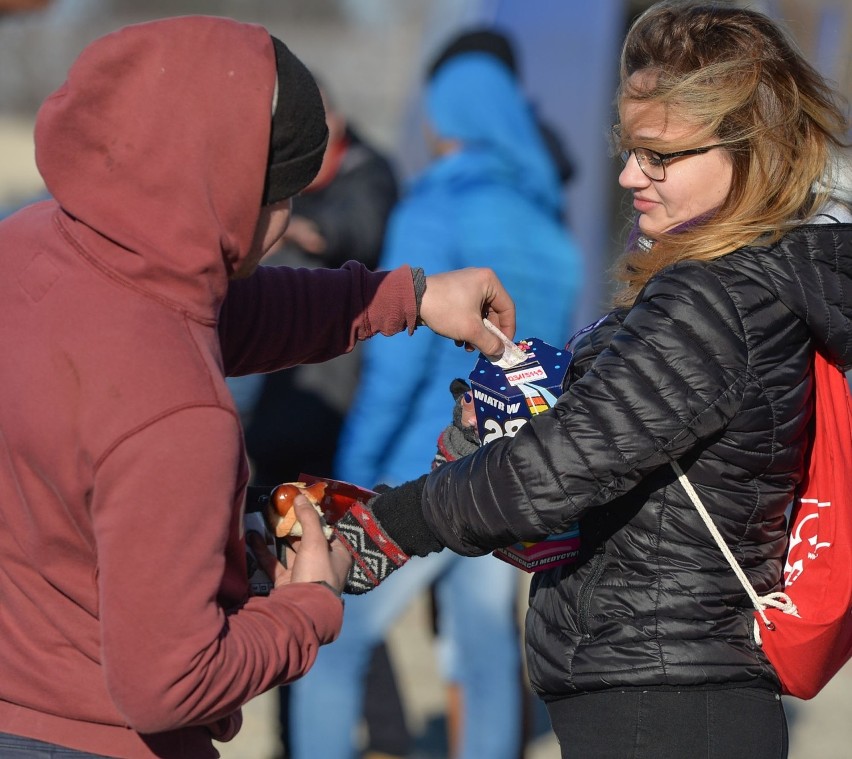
x,y
631,175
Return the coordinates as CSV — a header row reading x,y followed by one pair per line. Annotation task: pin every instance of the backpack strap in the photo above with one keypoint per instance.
x,y
776,600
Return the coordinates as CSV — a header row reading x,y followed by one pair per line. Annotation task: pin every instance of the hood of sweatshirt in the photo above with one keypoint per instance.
x,y
156,147
474,99
810,270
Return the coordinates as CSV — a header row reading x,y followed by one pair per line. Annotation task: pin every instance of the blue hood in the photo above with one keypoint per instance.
x,y
475,99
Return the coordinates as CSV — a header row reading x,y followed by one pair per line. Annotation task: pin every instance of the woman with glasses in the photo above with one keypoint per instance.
x,y
692,187
738,271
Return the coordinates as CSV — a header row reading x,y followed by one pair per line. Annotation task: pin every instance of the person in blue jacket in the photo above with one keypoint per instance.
x,y
491,197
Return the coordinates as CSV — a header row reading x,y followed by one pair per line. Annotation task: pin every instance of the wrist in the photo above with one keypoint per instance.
x,y
331,587
419,279
374,554
400,513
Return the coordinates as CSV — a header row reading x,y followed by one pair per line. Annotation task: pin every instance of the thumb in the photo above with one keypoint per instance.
x,y
309,519
486,338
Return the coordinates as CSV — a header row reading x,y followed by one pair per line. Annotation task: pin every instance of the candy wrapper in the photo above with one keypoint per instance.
x,y
339,496
506,393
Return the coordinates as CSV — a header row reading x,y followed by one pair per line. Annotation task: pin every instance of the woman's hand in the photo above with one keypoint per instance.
x,y
455,302
460,437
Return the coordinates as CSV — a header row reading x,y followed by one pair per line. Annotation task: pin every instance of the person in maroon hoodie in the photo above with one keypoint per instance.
x,y
171,154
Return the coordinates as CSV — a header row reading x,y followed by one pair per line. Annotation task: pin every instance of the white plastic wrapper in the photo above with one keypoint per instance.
x,y
512,354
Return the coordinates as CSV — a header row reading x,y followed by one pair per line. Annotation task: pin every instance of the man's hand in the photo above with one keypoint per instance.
x,y
455,303
313,558
305,233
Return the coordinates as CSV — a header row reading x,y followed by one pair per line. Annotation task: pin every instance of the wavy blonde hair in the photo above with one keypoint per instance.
x,y
736,75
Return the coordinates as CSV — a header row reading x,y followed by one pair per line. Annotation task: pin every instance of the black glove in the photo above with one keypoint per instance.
x,y
382,535
461,437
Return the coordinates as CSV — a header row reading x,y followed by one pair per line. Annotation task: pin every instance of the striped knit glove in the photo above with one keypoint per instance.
x,y
382,535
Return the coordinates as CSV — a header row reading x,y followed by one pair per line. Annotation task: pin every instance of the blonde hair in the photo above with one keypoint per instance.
x,y
734,73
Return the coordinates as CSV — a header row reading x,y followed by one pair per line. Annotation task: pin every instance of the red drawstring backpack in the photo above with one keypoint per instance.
x,y
808,627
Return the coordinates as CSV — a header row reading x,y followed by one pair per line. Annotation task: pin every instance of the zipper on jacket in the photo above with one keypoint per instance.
x,y
596,570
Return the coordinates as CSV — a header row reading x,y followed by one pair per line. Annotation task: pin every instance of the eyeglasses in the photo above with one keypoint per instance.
x,y
653,164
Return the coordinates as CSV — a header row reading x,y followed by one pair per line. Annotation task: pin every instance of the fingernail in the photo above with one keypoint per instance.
x,y
468,397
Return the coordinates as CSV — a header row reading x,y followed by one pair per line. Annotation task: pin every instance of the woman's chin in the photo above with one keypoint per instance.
x,y
648,228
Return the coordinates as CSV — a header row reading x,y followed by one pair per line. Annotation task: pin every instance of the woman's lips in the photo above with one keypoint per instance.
x,y
642,205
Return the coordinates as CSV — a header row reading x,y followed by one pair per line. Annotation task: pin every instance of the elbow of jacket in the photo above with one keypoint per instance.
x,y
153,716
149,721
148,712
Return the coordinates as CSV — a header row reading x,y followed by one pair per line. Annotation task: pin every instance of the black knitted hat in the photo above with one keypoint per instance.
x,y
477,41
299,132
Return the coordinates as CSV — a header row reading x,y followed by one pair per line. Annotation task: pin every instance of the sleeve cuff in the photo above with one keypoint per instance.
x,y
400,513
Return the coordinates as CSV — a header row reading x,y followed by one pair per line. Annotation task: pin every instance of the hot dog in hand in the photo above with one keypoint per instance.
x,y
280,514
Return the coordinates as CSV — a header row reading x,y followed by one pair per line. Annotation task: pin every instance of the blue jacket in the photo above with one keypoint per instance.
x,y
495,203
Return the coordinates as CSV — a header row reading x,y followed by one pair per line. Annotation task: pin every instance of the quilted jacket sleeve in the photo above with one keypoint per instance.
x,y
586,344
669,377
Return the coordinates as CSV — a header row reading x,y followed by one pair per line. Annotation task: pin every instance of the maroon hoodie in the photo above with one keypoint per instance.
x,y
125,624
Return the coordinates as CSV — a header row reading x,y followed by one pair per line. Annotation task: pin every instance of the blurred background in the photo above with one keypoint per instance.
x,y
370,55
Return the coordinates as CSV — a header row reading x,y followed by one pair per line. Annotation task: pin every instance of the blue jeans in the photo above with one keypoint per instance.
x,y
479,650
18,747
732,723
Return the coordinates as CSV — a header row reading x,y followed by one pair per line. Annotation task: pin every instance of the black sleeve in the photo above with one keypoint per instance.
x,y
399,511
671,375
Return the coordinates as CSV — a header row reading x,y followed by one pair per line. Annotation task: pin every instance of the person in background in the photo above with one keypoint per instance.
x,y
293,417
739,271
499,44
340,216
171,154
492,194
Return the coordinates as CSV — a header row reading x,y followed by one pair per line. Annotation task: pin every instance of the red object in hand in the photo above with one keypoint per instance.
x,y
338,496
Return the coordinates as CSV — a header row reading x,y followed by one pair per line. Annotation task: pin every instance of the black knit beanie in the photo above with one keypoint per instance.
x,y
484,40
299,132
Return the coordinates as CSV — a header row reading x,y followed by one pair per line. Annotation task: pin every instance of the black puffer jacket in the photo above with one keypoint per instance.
x,y
710,367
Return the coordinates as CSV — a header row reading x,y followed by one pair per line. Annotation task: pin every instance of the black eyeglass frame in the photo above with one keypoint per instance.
x,y
663,158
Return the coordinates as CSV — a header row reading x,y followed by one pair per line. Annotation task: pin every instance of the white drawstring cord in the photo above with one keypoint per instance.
x,y
777,600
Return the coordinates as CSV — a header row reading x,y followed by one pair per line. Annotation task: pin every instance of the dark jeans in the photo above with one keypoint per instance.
x,y
16,747
734,723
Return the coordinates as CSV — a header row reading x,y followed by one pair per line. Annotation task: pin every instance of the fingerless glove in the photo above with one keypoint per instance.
x,y
460,437
383,534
